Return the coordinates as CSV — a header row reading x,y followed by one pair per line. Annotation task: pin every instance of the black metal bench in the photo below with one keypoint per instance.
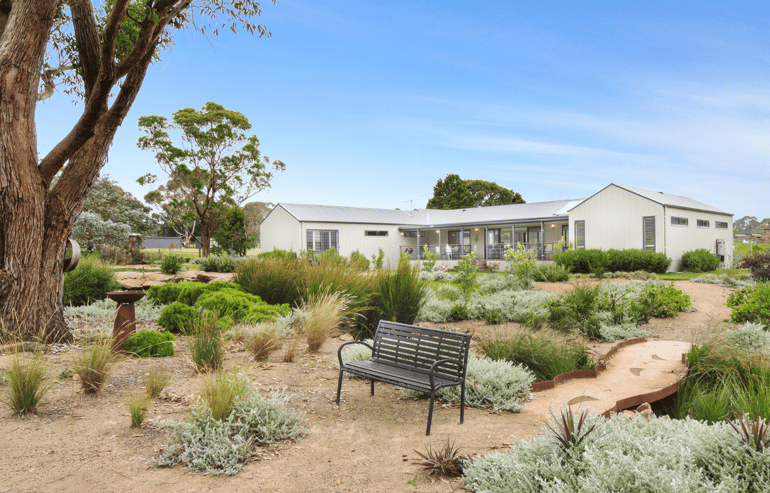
x,y
416,358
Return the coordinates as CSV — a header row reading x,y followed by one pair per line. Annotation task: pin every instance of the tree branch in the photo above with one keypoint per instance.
x,y
87,41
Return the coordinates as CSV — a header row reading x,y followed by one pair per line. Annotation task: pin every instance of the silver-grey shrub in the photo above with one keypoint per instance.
x,y
220,447
725,280
750,337
627,455
438,276
495,283
500,385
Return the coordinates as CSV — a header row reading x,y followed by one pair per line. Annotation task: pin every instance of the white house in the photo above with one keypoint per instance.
x,y
618,217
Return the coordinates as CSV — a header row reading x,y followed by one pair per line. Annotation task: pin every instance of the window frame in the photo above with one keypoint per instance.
x,y
645,231
375,233
580,234
680,221
331,240
717,225
703,223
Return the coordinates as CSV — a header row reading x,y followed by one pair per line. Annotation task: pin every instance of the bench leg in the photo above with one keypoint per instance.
x,y
430,414
462,402
339,388
372,383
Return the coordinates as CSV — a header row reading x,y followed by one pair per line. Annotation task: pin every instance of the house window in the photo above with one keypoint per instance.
x,y
648,232
413,234
375,233
679,221
703,223
580,235
321,240
720,225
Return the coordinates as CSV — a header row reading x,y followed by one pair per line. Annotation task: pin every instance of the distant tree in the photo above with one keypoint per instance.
x,y
455,193
179,218
750,225
231,236
487,193
111,203
91,229
254,213
210,172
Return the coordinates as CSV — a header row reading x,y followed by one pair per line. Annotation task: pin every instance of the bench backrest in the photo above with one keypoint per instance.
x,y
417,348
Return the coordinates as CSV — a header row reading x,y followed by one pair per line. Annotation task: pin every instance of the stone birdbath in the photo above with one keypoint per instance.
x,y
125,318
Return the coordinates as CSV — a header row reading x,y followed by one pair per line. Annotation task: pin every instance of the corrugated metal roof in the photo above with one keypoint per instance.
x,y
670,199
431,217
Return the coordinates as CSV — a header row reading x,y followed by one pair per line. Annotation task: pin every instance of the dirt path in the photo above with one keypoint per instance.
x,y
81,443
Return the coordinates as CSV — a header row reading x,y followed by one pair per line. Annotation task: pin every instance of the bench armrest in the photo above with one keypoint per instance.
x,y
435,366
339,351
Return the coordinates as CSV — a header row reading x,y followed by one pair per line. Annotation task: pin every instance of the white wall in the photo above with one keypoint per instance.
x,y
613,219
351,237
280,230
681,239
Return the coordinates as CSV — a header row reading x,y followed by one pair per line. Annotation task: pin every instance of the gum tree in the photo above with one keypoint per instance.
x,y
216,167
100,53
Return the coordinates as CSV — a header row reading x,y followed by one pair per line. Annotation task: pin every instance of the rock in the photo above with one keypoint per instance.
x,y
132,283
643,407
203,278
629,413
346,337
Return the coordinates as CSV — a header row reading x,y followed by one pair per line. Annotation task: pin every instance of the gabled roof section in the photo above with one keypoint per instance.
x,y
500,214
662,198
341,214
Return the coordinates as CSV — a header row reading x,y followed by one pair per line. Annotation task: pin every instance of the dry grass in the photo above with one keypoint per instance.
x,y
219,392
291,350
28,382
326,313
155,381
263,342
94,365
138,406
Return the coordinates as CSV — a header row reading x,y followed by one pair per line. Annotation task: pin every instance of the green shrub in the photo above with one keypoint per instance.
x,y
664,301
430,259
240,306
217,263
278,254
400,294
759,265
378,259
569,311
275,280
700,260
165,294
580,261
544,354
90,281
330,256
221,446
150,343
192,290
358,261
521,263
177,318
468,272
458,312
552,273
171,264
750,304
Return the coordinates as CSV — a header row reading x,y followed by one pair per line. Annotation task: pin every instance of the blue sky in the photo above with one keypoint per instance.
x,y
369,103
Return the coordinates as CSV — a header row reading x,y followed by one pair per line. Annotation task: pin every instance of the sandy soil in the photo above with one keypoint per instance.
x,y
367,444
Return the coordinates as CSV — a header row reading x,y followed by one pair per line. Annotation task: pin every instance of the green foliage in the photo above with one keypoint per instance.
x,y
165,294
468,272
358,261
455,193
275,280
90,281
759,266
664,301
207,180
207,349
580,261
459,312
171,264
220,446
28,382
544,354
231,236
552,273
751,304
279,254
150,343
430,259
700,260
497,384
218,263
191,291
378,259
569,435
521,262
138,406
443,462
400,294
177,318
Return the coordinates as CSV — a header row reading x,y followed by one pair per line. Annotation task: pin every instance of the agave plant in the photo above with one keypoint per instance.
x,y
753,432
444,462
568,434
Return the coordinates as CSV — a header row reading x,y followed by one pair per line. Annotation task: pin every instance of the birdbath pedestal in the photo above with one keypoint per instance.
x,y
125,318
